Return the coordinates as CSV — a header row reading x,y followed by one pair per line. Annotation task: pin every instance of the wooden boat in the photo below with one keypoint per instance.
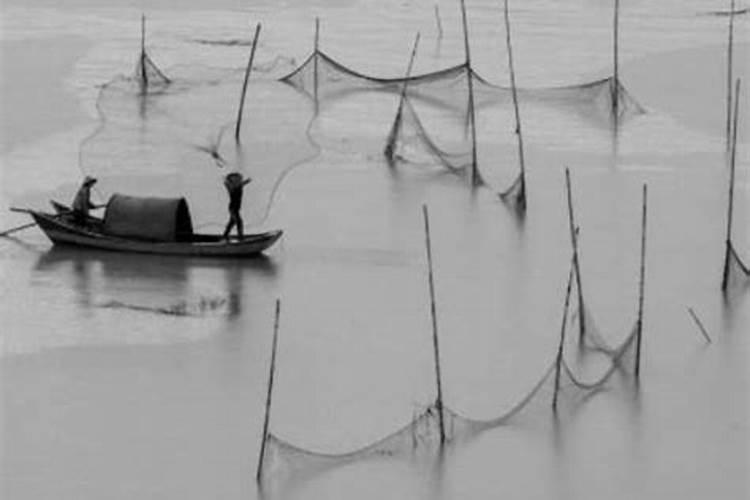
x,y
62,229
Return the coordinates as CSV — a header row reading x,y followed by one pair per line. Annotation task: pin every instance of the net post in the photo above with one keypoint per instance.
x,y
439,23
470,79
576,260
730,76
389,147
144,75
616,62
244,84
514,92
272,369
433,312
559,357
315,62
642,283
732,166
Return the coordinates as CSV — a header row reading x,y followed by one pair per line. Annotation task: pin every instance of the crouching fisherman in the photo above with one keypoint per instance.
x,y
82,203
235,183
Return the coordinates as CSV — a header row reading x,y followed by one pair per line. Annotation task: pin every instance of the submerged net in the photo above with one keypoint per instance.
x,y
174,136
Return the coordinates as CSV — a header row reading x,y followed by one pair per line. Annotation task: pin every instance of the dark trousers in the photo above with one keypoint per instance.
x,y
234,220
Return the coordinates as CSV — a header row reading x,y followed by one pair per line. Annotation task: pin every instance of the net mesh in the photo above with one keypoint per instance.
x,y
559,381
738,273
148,75
177,138
449,87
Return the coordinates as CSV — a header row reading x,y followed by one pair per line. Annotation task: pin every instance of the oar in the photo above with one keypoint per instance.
x,y
19,228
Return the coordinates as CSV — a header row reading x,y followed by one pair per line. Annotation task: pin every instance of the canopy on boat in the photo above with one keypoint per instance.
x,y
147,218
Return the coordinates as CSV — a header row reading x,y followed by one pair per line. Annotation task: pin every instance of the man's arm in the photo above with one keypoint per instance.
x,y
246,181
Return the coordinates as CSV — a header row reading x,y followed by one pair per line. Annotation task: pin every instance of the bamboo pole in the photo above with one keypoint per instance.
x,y
576,260
642,283
730,205
272,370
439,23
700,324
144,75
389,147
8,232
433,312
616,62
514,92
472,115
244,84
558,359
730,75
315,63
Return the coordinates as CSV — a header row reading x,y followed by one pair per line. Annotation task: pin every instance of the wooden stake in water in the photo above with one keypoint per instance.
x,y
272,370
730,205
244,84
700,324
730,75
642,284
433,312
390,146
144,75
616,61
472,116
576,261
439,24
315,62
514,92
559,358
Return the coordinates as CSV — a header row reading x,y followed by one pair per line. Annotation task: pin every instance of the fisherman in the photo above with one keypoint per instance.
x,y
82,202
235,183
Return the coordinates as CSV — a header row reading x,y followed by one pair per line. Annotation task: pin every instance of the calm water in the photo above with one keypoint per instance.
x,y
103,396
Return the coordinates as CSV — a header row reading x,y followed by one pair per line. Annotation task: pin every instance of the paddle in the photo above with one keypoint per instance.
x,y
19,228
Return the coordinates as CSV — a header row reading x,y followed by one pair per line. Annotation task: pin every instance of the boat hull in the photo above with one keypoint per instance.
x,y
62,232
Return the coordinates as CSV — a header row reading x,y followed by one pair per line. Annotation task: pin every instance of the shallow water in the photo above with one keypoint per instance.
x,y
105,395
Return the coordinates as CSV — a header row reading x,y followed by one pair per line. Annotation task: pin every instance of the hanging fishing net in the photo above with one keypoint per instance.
x,y
174,136
449,88
558,383
737,272
150,78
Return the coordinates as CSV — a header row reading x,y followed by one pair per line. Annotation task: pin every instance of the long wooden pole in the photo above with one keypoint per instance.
x,y
514,92
730,76
470,79
576,261
616,61
642,283
244,84
144,74
272,370
315,62
433,312
558,359
730,205
389,147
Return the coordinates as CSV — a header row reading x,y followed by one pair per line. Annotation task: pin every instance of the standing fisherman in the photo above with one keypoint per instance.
x,y
82,202
235,183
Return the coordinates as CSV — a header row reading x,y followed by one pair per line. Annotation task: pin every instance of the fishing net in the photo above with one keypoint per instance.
x,y
322,76
558,382
174,136
737,272
150,78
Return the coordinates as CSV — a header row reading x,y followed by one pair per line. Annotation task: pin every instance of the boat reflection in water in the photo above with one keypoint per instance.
x,y
169,285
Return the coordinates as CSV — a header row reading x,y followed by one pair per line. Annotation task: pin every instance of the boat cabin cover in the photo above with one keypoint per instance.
x,y
147,218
